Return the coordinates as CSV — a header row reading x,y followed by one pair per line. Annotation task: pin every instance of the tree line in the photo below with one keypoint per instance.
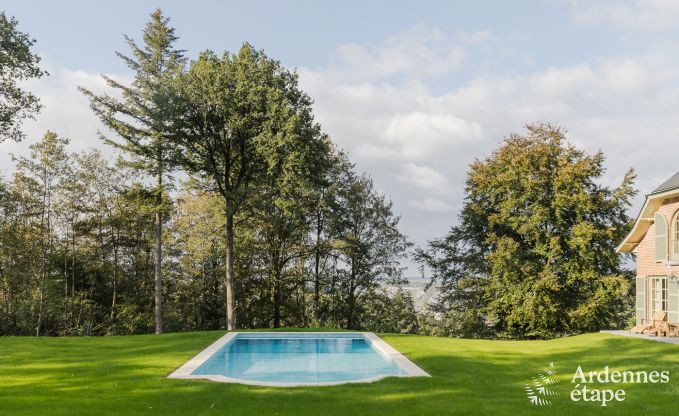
x,y
77,248
229,207
272,225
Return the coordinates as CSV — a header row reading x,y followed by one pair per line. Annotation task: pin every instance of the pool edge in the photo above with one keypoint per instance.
x,y
383,347
185,371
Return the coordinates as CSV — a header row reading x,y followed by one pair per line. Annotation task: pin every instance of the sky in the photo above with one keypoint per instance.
x,y
413,91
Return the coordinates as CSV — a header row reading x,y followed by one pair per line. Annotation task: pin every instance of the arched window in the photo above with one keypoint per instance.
x,y
660,237
675,237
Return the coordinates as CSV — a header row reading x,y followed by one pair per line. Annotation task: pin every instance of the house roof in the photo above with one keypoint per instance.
x,y
671,183
667,189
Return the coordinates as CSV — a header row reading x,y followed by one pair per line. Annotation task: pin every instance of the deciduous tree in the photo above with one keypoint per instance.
x,y
534,252
17,63
240,119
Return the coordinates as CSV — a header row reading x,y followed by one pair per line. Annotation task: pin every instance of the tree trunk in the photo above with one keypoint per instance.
x,y
115,281
40,302
230,313
66,267
350,314
277,287
317,264
71,303
44,241
158,267
6,295
351,301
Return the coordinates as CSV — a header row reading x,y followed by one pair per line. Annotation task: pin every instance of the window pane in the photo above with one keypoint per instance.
x,y
658,294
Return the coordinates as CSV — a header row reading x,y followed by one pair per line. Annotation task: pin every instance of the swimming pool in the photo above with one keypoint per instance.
x,y
294,359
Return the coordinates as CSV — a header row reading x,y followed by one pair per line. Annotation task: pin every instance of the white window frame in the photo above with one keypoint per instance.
x,y
658,294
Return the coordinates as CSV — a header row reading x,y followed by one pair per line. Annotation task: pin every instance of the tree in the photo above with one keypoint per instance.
x,y
114,232
369,243
17,63
390,311
237,115
327,224
15,256
143,116
41,177
285,203
311,242
534,252
198,242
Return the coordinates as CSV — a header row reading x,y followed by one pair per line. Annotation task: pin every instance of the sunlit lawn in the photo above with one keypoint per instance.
x,y
126,375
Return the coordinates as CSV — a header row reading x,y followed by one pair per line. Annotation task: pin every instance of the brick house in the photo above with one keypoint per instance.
x,y
655,240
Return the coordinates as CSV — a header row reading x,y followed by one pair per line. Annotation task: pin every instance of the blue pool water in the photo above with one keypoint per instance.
x,y
298,358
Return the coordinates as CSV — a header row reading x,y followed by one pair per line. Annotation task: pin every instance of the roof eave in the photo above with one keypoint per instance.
x,y
664,191
644,219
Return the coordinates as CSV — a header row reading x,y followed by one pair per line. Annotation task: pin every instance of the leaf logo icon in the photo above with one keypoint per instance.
x,y
538,391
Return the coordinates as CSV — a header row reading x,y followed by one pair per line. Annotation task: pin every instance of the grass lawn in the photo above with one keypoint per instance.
x,y
126,375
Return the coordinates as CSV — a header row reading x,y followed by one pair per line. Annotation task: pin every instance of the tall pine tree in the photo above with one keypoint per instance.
x,y
141,118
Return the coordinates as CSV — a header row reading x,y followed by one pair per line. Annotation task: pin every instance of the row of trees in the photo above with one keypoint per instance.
x,y
77,248
241,128
271,225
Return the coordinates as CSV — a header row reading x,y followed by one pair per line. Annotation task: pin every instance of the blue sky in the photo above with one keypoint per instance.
x,y
305,33
413,91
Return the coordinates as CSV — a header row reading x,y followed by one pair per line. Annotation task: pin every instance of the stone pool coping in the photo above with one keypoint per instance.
x,y
186,370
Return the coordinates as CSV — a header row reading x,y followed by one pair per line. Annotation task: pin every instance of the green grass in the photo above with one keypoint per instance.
x,y
126,375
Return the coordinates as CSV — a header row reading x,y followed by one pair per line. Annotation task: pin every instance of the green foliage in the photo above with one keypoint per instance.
x,y
314,239
469,323
39,183
535,247
197,245
143,116
243,129
385,311
369,243
17,63
74,257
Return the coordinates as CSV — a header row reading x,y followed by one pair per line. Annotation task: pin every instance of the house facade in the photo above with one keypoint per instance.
x,y
655,240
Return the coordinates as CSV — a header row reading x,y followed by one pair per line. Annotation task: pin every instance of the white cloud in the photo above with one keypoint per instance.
x,y
429,204
424,177
417,141
65,111
370,151
559,81
420,134
420,51
472,38
653,15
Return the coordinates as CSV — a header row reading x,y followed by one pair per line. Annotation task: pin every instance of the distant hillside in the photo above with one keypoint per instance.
x,y
416,286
